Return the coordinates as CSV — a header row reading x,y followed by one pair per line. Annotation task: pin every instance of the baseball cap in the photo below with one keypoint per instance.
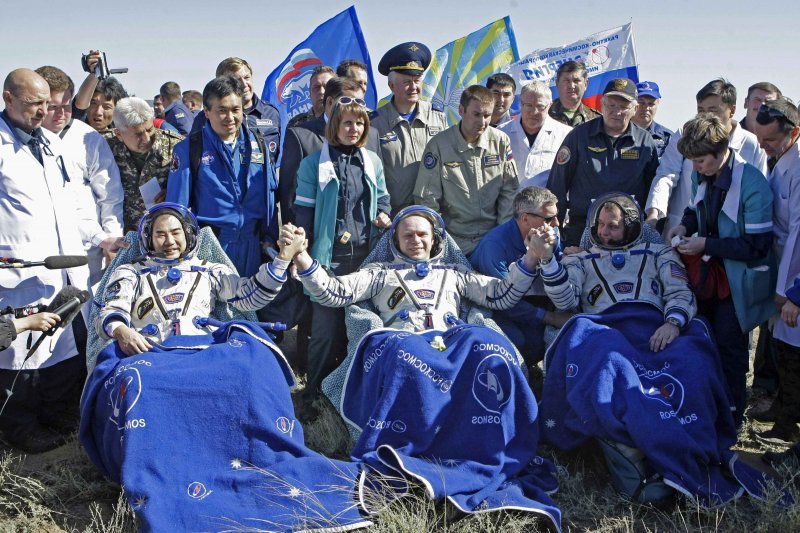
x,y
622,87
648,88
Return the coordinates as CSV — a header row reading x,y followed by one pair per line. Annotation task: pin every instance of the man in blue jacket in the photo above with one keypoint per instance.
x,y
228,180
534,207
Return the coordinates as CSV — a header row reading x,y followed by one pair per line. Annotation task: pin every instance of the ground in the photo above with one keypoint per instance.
x,y
62,491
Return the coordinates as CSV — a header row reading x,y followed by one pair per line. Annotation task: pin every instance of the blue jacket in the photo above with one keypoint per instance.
x,y
747,209
179,116
262,118
241,218
501,247
318,188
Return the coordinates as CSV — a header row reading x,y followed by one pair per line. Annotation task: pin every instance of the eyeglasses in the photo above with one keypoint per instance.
x,y
344,100
766,113
547,220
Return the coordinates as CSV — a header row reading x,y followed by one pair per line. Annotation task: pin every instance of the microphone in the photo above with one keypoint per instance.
x,y
22,312
54,262
67,304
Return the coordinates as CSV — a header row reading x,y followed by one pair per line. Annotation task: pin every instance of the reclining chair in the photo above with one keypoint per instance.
x,y
361,318
208,248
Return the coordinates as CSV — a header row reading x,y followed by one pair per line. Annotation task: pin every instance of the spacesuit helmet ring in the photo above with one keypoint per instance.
x,y
437,224
184,216
632,220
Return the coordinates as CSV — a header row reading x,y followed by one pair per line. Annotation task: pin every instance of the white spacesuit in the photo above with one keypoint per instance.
x,y
161,297
630,270
417,295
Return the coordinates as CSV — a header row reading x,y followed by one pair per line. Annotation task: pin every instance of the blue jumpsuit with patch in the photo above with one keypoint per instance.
x,y
234,193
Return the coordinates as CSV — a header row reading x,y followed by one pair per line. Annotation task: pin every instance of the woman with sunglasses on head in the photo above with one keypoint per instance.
x,y
343,205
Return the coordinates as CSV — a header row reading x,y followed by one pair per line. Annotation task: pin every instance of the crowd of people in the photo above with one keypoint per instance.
x,y
81,167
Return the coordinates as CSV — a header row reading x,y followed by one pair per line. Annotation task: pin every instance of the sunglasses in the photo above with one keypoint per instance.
x,y
547,220
344,100
766,113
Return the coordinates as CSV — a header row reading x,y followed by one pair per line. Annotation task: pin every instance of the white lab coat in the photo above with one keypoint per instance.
x,y
101,187
785,183
532,160
40,216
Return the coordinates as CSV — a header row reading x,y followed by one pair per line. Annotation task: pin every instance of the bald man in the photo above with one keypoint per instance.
x,y
40,216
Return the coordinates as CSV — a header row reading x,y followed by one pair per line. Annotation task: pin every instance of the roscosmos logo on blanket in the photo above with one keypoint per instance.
x,y
492,387
124,389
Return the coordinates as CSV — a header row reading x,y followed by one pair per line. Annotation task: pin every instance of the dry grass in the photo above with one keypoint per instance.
x,y
62,491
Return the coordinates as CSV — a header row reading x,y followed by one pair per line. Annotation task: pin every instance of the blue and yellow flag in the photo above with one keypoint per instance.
x,y
468,61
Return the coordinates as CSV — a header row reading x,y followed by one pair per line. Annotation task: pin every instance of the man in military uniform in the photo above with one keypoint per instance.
x,y
610,154
571,82
468,173
648,100
405,124
142,153
316,92
175,111
262,117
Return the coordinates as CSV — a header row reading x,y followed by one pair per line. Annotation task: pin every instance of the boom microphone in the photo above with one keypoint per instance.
x,y
54,262
67,304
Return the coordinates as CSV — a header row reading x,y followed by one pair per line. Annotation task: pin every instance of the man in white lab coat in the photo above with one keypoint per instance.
x,y
39,216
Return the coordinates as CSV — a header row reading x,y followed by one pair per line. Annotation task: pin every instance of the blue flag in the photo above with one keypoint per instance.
x,y
336,39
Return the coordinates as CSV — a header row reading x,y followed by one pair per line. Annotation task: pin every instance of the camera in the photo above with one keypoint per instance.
x,y
101,70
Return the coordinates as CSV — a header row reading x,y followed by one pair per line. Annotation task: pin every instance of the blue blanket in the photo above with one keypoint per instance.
x,y
603,380
203,437
460,421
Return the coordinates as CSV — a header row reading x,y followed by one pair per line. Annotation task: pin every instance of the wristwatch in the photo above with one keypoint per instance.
x,y
674,321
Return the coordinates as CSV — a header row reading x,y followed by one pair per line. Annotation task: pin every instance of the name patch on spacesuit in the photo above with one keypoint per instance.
x,y
173,298
395,298
144,307
623,287
425,294
594,294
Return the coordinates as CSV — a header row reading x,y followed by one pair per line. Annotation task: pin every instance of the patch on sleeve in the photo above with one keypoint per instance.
x,y
179,115
594,294
429,160
655,287
563,155
207,158
113,290
678,272
509,155
175,164
272,146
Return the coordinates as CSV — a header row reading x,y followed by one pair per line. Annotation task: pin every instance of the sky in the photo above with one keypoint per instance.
x,y
680,44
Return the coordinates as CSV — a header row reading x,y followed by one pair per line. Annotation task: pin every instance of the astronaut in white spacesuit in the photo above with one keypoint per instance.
x,y
160,294
415,291
619,266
